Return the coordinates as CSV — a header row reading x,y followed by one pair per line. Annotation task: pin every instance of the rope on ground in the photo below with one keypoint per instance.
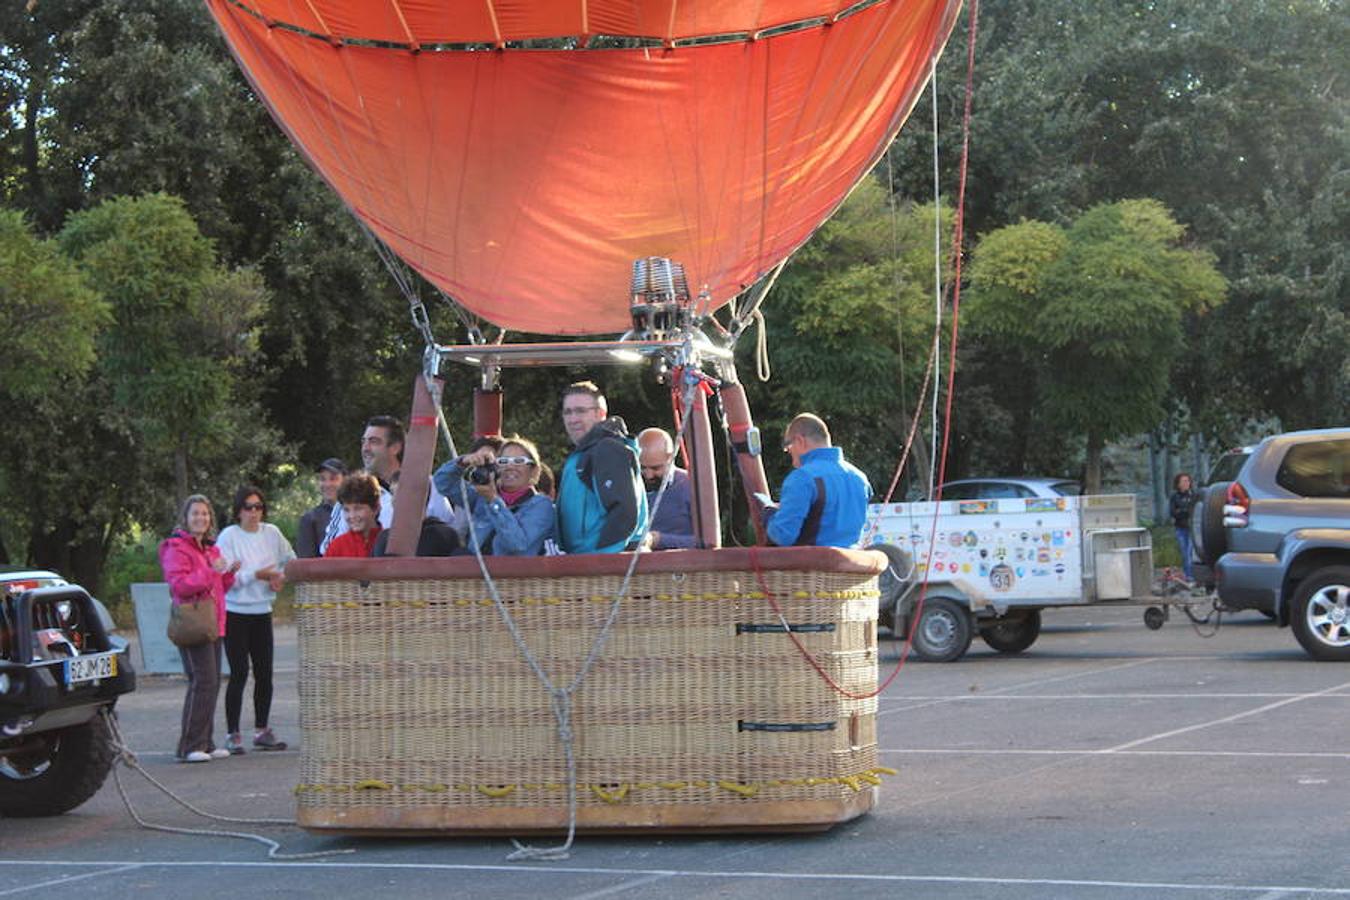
x,y
125,757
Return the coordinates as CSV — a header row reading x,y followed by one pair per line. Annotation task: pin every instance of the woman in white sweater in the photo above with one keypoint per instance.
x,y
261,551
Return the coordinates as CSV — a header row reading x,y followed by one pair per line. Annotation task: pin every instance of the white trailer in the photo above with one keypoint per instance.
x,y
992,565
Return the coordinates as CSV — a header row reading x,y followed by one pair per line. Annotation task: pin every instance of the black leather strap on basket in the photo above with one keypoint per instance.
x,y
795,628
785,726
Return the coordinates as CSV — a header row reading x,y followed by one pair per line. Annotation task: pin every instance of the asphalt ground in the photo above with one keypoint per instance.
x,y
1108,761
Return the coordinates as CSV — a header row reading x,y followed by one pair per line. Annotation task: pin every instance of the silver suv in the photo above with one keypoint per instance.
x,y
1280,541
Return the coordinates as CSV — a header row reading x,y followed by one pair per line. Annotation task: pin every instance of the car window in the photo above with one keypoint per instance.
x,y
960,491
1316,469
1066,488
1228,466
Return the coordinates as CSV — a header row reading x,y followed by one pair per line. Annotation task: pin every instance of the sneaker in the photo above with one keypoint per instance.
x,y
266,740
197,756
235,744
220,753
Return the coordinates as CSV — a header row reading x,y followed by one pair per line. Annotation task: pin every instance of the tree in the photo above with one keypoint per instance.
x,y
184,327
1097,312
51,320
1233,116
162,409
851,322
48,314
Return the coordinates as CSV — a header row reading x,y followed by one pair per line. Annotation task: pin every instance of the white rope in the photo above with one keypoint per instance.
x,y
937,285
127,758
560,698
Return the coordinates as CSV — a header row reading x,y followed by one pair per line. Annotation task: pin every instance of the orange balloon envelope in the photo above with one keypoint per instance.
x,y
523,179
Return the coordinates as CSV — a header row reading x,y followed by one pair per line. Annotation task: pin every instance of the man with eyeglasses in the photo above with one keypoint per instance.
x,y
824,498
602,506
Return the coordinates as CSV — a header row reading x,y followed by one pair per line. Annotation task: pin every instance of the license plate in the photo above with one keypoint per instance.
x,y
91,667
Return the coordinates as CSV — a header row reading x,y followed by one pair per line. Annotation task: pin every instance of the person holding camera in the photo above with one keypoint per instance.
x,y
510,516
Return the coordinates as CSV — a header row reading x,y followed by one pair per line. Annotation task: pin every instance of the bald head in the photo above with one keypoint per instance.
x,y
656,452
805,433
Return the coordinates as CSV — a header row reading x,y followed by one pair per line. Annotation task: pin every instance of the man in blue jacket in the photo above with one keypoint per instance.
x,y
824,499
602,506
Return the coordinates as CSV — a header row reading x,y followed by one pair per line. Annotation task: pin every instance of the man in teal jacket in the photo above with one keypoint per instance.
x,y
602,504
824,499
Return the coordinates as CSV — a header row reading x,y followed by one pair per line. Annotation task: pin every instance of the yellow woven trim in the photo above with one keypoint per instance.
x,y
597,598
613,793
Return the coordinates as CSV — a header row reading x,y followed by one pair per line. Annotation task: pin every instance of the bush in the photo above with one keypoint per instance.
x,y
133,559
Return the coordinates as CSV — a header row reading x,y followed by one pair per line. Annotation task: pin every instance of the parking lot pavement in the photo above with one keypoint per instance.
x,y
1107,761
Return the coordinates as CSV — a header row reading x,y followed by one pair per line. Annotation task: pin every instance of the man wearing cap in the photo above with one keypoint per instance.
x,y
314,523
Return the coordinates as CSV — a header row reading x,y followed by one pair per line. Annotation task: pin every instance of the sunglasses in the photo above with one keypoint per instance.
x,y
254,507
514,461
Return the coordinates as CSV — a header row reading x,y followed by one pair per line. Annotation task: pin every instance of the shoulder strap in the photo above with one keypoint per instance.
x,y
811,524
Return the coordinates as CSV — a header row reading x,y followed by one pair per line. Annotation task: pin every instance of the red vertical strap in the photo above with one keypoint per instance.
x,y
703,474
753,481
414,480
487,412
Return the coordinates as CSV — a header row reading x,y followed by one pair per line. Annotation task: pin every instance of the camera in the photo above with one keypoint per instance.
x,y
483,474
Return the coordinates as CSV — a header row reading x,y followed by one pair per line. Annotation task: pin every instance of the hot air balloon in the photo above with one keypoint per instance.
x,y
590,168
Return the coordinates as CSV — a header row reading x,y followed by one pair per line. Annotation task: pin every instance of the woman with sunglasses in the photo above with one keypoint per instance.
x,y
510,516
261,552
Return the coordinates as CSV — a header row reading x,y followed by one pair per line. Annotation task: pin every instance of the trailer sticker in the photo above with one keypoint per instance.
x,y
1002,578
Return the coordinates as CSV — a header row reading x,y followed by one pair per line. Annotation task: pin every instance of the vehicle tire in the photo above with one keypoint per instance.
x,y
1208,535
943,632
1320,614
57,773
893,582
1014,632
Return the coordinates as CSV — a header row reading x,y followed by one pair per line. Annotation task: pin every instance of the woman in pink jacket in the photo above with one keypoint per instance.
x,y
194,568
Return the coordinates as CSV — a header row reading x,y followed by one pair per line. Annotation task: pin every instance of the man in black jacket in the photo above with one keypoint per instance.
x,y
315,522
602,505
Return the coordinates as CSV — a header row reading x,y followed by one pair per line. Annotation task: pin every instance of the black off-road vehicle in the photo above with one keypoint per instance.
x,y
60,668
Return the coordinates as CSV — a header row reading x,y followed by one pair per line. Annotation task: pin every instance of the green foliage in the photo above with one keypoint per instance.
x,y
48,314
1095,312
850,327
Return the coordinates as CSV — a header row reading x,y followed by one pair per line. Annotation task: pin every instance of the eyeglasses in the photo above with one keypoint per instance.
x,y
787,444
254,507
578,410
514,461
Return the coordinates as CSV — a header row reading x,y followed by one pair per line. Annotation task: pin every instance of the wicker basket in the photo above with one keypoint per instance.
x,y
419,713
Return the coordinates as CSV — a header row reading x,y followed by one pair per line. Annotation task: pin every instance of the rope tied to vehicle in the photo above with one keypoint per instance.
x,y
125,757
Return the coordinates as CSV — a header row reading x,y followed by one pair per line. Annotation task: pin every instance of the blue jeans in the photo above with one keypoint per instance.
x,y
1184,542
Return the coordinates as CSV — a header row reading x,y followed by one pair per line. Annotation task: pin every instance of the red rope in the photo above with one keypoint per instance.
x,y
957,237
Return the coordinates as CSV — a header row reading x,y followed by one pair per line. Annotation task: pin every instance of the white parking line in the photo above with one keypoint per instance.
x,y
67,879
1009,751
1016,687
1196,695
1146,887
1226,719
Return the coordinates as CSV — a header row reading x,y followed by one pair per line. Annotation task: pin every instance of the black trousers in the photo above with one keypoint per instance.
x,y
248,638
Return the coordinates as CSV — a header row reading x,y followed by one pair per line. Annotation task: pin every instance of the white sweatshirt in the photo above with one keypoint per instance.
x,y
253,550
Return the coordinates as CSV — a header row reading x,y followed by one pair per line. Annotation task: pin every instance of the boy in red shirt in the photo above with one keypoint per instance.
x,y
359,495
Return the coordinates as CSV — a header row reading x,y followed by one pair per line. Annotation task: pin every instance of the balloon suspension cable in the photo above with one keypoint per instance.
x,y
754,313
957,238
561,696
